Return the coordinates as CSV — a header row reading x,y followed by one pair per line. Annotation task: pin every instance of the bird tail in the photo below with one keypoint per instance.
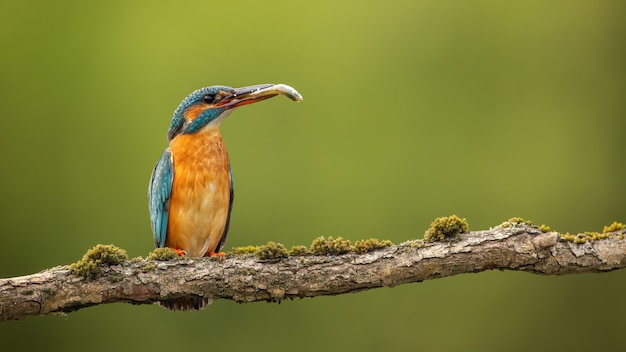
x,y
186,303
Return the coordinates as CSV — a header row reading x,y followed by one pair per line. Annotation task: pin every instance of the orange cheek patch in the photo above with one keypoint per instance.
x,y
194,111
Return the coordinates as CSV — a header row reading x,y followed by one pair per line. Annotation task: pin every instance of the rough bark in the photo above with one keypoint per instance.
x,y
248,279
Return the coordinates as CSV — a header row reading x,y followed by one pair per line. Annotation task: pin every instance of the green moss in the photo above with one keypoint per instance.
x,y
330,246
136,259
615,226
520,220
516,220
446,228
87,266
85,269
298,251
371,244
148,267
544,228
584,237
245,250
27,293
271,250
163,254
418,244
593,236
321,245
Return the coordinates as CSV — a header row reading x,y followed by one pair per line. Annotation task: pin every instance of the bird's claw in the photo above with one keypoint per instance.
x,y
214,254
180,252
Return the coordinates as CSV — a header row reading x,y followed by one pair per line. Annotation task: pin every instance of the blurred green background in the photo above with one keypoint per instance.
x,y
412,110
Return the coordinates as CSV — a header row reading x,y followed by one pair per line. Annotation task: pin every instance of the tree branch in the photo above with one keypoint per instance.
x,y
248,279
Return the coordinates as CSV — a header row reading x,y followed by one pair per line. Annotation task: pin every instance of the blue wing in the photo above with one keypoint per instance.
x,y
159,194
230,208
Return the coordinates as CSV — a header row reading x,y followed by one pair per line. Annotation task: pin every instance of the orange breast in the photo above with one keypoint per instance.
x,y
200,192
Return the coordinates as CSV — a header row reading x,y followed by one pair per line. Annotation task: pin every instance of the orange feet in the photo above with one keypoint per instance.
x,y
180,252
213,254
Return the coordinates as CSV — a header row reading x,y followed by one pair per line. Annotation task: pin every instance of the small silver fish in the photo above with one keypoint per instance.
x,y
281,89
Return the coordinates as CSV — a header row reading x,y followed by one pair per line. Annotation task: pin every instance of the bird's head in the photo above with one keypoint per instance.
x,y
210,105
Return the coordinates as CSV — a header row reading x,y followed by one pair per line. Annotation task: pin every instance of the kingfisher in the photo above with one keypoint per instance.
x,y
191,189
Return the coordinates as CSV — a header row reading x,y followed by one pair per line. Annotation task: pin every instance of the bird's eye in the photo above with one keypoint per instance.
x,y
208,99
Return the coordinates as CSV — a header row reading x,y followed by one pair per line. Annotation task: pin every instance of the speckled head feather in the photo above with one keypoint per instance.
x,y
180,124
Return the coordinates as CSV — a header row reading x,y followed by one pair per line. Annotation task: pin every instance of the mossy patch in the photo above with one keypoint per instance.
x,y
593,236
321,245
330,246
298,251
615,226
163,254
148,267
584,237
370,244
446,228
418,243
544,228
516,220
87,266
271,250
245,250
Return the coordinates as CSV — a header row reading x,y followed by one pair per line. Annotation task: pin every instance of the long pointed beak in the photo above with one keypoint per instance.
x,y
256,93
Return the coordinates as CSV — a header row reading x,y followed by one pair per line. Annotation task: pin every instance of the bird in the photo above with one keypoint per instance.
x,y
191,189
